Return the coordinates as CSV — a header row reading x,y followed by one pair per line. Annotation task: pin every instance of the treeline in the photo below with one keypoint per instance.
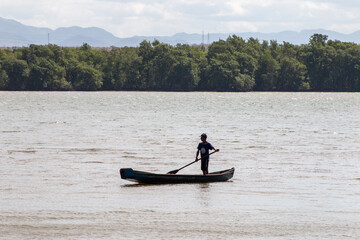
x,y
232,65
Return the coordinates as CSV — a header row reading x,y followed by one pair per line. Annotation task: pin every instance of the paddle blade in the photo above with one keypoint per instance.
x,y
173,172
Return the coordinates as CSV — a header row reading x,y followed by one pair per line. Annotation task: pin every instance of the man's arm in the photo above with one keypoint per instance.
x,y
216,150
197,154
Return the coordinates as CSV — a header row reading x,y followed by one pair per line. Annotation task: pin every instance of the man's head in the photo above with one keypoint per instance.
x,y
203,136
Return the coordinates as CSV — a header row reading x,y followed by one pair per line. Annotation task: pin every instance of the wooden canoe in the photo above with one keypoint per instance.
x,y
153,178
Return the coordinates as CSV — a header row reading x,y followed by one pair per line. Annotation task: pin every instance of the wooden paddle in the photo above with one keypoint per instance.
x,y
175,171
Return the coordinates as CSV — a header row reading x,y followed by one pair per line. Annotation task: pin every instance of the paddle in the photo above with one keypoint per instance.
x,y
175,171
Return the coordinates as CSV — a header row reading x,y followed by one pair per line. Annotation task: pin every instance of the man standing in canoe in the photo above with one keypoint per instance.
x,y
204,148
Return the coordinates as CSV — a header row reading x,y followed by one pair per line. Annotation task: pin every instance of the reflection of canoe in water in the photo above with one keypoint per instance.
x,y
153,178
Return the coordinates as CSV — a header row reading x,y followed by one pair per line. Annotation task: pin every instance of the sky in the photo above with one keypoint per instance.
x,y
126,18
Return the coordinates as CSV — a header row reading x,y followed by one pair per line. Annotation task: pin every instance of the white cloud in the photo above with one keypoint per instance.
x,y
236,6
239,26
160,17
310,5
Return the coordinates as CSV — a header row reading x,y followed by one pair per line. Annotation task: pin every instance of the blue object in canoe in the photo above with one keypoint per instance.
x,y
153,178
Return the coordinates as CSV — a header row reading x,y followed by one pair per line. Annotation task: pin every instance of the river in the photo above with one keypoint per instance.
x,y
296,159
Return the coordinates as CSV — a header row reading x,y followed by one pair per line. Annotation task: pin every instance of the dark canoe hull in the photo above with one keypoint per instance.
x,y
153,178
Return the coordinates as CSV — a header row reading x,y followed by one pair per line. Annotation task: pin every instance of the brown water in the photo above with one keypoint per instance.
x,y
296,157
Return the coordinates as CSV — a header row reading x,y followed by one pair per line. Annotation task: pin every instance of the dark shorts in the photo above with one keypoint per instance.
x,y
204,164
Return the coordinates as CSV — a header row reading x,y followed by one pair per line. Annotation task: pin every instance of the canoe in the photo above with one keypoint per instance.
x,y
153,178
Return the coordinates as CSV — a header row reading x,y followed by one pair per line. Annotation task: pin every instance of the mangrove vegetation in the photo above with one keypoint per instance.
x,y
234,64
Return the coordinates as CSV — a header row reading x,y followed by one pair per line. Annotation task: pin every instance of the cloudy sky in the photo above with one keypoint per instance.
x,y
125,18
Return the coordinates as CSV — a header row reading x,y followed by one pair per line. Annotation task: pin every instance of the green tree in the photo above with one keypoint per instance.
x,y
17,71
184,74
130,66
147,54
223,67
291,75
84,77
47,75
267,72
319,62
162,65
4,79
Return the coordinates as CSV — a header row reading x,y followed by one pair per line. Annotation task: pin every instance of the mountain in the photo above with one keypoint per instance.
x,y
15,34
75,36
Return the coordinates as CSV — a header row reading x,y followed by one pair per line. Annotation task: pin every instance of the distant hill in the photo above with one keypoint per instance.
x,y
15,34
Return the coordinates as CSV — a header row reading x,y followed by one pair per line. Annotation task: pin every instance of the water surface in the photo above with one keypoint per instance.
x,y
296,157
